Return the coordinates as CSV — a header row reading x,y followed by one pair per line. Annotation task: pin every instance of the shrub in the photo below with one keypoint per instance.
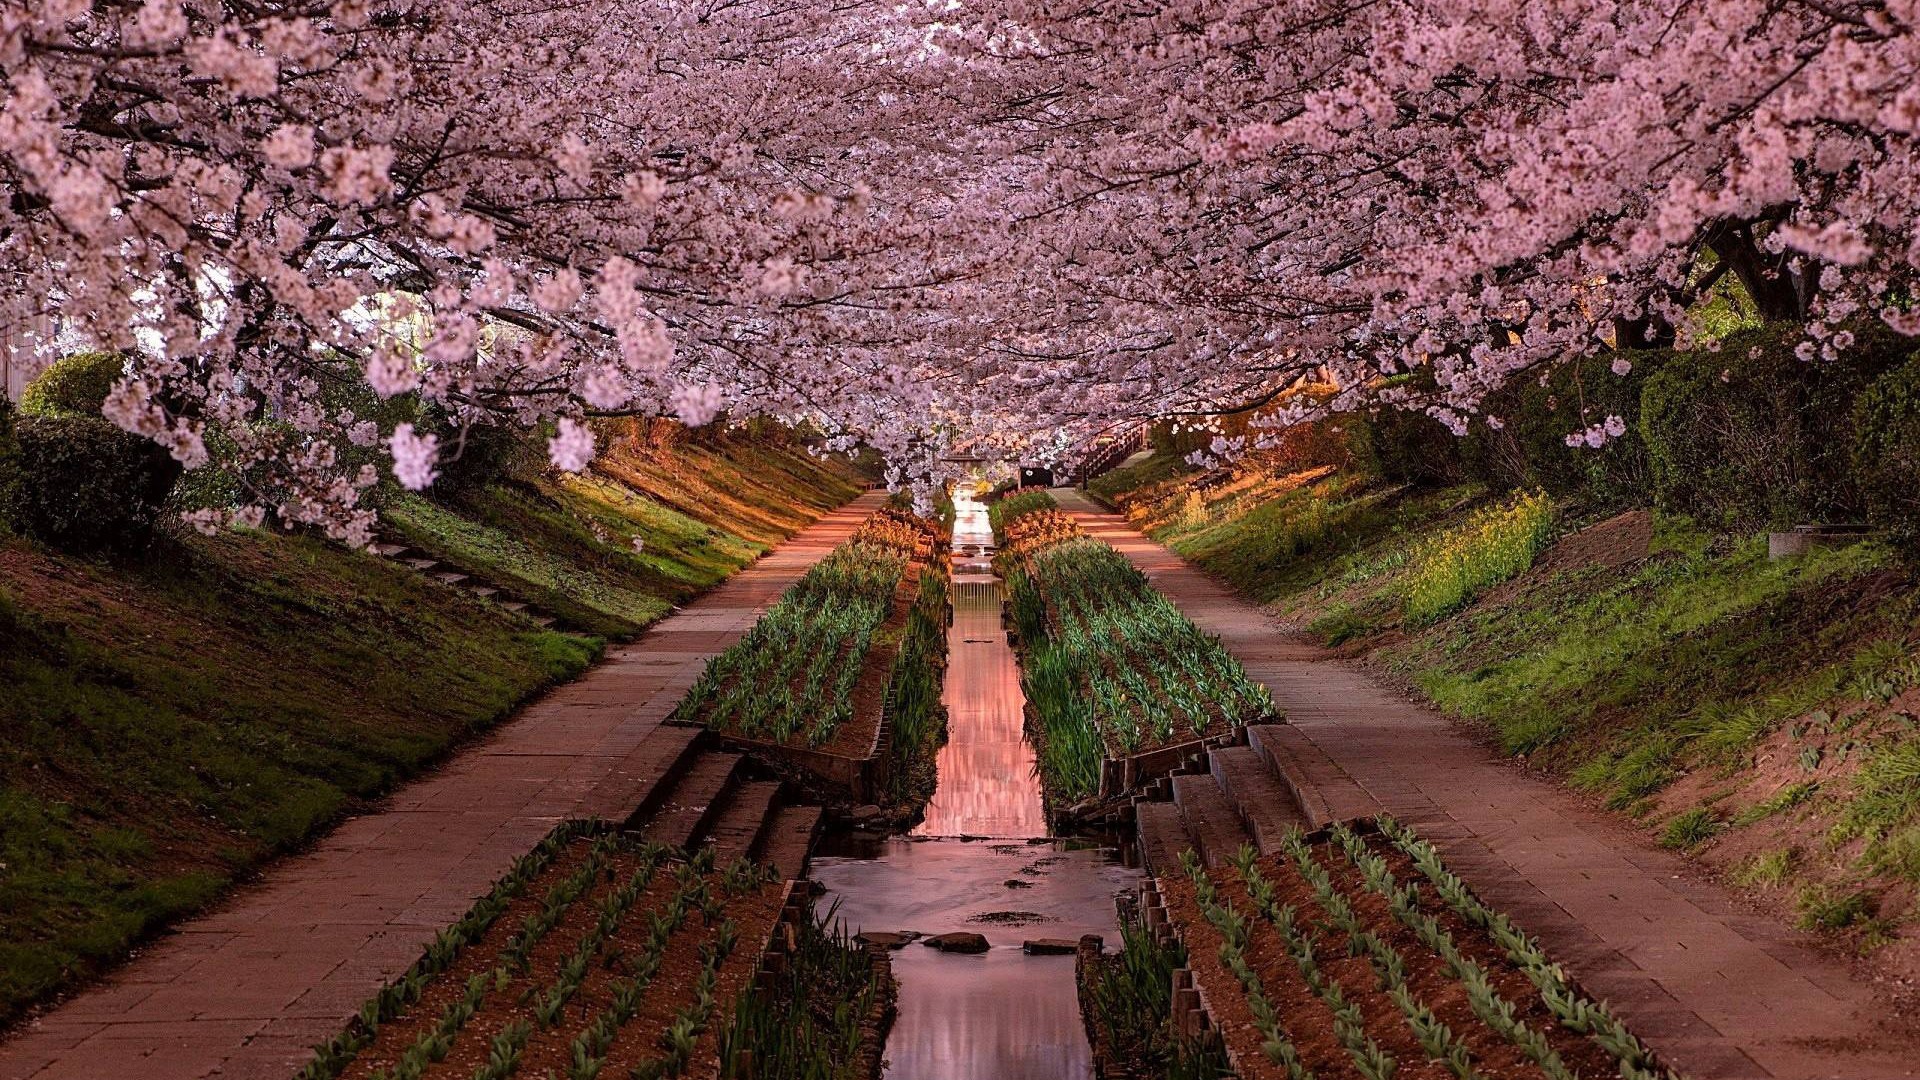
x,y
489,453
1409,447
1536,415
84,484
9,455
1753,436
1886,451
74,386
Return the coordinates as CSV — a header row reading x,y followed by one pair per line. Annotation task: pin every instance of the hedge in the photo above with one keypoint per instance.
x,y
1536,414
84,485
75,385
1886,451
1752,436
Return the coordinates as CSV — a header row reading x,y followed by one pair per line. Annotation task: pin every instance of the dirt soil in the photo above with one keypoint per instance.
x,y
753,913
1305,1017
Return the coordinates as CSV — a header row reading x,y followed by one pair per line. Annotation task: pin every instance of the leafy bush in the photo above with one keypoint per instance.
x,y
74,386
1754,436
9,456
1410,447
1496,544
1886,451
85,485
1536,415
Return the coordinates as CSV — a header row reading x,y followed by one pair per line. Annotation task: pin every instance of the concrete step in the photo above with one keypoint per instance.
x,y
1211,823
1262,801
742,816
543,620
514,606
788,838
1321,789
448,577
693,801
421,562
387,551
643,775
1162,836
484,592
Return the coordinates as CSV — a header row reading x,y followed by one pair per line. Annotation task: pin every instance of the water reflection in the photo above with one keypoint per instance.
x,y
1001,1015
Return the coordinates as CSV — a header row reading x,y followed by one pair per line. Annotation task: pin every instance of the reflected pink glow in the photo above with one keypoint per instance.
x,y
1002,1015
987,785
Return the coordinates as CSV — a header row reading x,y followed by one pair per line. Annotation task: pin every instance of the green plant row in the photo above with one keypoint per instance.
x,y
1571,1008
1129,998
1149,675
810,1023
1016,503
914,705
331,1057
1337,914
1497,544
793,674
544,1000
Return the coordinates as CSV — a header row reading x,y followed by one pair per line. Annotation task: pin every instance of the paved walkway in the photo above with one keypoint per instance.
x,y
1719,992
247,990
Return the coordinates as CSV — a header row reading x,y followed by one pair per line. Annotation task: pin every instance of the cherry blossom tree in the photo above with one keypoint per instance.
x,y
1005,225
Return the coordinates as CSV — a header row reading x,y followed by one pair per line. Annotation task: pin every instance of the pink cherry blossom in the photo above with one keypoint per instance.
x,y
571,448
413,457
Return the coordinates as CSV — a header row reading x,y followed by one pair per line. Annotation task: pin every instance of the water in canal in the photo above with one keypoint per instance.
x,y
981,861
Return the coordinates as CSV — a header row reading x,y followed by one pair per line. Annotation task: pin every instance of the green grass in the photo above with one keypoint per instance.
x,y
169,724
1691,828
566,544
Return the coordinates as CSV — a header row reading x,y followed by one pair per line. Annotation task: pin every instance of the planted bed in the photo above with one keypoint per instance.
x,y
1116,675
1356,952
841,676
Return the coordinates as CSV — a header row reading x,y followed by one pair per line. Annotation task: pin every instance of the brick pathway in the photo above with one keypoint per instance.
x,y
245,991
1718,991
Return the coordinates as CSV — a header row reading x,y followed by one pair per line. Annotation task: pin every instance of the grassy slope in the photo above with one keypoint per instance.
x,y
169,724
1753,712
703,508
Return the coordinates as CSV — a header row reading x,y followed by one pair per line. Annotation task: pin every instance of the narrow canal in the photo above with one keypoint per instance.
x,y
983,861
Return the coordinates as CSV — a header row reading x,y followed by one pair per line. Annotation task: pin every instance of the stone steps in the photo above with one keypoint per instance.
x,y
743,815
1212,821
1250,794
1162,836
453,577
692,800
643,775
1265,805
1323,791
788,838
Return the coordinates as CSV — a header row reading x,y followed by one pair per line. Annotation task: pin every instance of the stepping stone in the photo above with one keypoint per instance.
x,y
959,941
1049,946
1264,804
887,939
1209,817
1016,883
